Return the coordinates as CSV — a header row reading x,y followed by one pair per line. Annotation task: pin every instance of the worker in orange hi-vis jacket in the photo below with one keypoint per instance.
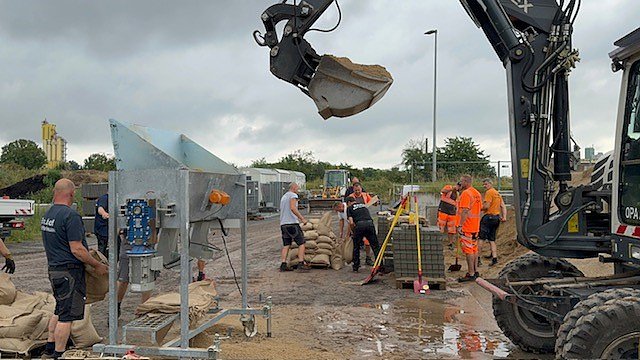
x,y
447,213
469,208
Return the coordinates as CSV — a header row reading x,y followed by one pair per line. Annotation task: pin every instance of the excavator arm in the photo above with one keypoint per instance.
x,y
338,87
532,38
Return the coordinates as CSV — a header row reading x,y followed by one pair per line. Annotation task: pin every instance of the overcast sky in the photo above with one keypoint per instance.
x,y
193,67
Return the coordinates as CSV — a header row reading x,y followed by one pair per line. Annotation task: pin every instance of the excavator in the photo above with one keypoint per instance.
x,y
541,301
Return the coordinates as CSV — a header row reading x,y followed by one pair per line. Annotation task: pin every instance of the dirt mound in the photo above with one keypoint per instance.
x,y
86,176
23,188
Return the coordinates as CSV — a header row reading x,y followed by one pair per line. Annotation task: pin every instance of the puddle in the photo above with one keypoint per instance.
x,y
421,328
441,328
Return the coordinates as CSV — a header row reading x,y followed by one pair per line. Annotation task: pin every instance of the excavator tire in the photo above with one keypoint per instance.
x,y
531,332
608,331
582,308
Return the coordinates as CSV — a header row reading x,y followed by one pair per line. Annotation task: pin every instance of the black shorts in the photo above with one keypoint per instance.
x,y
292,232
488,227
69,290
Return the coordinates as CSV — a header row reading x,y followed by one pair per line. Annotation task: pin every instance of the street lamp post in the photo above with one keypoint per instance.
x,y
435,72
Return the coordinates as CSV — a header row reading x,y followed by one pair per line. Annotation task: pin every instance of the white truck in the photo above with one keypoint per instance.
x,y
12,214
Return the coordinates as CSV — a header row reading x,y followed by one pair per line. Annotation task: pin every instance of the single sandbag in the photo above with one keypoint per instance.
x,y
310,235
314,221
324,239
7,290
326,218
293,262
310,244
347,251
323,230
202,297
321,259
292,254
337,262
22,323
325,246
29,302
308,257
332,235
306,226
324,251
83,333
8,345
41,330
97,285
48,302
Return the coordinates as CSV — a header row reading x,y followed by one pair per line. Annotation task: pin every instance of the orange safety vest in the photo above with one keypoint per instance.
x,y
472,200
447,204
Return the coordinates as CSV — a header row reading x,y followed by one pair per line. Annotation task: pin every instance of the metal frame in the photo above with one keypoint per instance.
x,y
179,347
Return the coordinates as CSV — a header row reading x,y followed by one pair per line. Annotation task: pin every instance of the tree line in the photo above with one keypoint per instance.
x,y
460,155
29,155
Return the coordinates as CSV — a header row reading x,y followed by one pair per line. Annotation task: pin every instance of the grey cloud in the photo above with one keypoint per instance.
x,y
192,67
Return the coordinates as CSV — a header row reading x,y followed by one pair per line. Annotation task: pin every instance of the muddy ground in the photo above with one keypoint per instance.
x,y
327,314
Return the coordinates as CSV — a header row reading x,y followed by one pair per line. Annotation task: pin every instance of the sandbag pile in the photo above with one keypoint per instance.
x,y
321,248
202,297
24,320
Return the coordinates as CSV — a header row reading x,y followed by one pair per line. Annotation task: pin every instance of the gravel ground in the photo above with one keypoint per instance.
x,y
322,314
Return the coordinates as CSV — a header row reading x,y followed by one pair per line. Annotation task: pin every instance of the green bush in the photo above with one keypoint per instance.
x,y
13,173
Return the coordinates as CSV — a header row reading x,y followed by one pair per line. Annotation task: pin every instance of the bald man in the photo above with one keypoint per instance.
x,y
67,253
350,189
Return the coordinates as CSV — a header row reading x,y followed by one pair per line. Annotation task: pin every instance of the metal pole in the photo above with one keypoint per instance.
x,y
243,246
412,166
185,271
435,88
499,178
113,234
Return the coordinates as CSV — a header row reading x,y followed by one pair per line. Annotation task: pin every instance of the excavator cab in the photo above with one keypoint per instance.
x,y
338,86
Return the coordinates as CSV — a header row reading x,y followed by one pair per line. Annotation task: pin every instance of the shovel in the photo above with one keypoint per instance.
x,y
341,88
419,286
378,262
456,266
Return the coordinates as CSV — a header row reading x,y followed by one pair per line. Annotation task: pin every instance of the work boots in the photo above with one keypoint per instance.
x,y
284,267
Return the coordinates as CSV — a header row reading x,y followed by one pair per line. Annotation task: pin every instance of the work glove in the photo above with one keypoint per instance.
x,y
9,266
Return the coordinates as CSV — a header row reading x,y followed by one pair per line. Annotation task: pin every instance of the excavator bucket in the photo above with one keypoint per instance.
x,y
341,88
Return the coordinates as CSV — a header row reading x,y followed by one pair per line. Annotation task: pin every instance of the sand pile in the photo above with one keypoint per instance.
x,y
372,70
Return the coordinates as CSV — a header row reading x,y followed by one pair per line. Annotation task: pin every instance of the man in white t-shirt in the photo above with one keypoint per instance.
x,y
290,219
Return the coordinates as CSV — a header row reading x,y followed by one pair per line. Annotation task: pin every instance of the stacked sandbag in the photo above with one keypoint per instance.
x,y
320,243
24,322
